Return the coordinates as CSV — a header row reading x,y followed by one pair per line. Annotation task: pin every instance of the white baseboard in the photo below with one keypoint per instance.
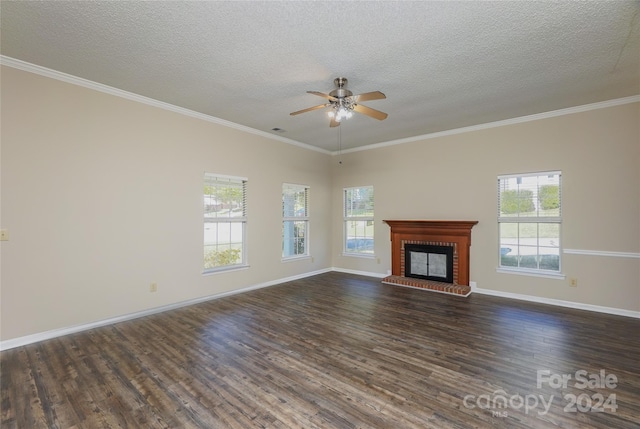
x,y
359,273
559,302
47,335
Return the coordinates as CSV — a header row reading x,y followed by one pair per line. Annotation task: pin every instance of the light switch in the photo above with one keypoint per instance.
x,y
4,235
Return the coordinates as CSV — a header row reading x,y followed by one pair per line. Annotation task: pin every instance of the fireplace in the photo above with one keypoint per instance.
x,y
429,262
431,254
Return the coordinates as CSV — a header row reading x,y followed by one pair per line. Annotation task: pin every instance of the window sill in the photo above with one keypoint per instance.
x,y
224,270
360,255
296,258
532,273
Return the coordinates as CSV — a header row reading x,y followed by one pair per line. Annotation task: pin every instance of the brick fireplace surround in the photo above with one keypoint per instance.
x,y
454,233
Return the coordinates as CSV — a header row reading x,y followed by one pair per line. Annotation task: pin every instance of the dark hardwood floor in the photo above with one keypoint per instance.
x,y
334,351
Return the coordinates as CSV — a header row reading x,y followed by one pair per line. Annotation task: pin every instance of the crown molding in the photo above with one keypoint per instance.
x,y
74,80
64,77
512,121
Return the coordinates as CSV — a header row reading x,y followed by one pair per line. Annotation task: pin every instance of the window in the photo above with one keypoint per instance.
x,y
295,221
225,222
358,221
529,220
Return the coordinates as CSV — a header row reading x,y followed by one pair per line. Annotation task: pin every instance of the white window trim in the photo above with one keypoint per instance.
x,y
245,257
221,270
295,258
559,275
359,255
307,254
532,273
346,219
530,174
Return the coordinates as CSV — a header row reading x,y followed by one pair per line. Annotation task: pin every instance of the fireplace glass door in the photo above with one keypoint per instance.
x,y
429,262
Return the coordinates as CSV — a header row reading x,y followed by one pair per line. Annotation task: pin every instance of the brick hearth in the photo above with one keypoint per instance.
x,y
449,288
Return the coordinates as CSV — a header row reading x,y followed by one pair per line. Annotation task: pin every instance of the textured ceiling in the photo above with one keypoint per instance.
x,y
442,65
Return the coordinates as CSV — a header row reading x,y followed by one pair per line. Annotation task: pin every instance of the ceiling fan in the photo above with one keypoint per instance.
x,y
342,103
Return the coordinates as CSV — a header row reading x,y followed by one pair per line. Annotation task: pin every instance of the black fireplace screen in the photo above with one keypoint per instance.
x,y
429,262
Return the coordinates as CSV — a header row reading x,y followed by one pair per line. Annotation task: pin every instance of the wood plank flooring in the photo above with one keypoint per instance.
x,y
331,351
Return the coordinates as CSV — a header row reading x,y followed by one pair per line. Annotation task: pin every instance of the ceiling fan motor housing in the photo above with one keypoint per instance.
x,y
341,91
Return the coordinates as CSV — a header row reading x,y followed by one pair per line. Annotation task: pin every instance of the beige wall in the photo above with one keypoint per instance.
x,y
454,177
102,196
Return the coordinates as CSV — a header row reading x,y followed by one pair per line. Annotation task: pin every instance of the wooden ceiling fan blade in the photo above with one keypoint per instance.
x,y
367,96
334,123
376,114
309,109
323,95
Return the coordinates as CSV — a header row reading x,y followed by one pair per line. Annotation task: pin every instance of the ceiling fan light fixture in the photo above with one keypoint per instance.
x,y
343,113
341,110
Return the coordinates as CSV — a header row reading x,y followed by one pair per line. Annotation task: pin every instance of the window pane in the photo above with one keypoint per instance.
x,y
516,202
223,198
549,198
223,244
509,235
359,237
527,249
550,262
527,235
294,238
549,250
508,260
528,257
294,201
530,195
359,202
550,234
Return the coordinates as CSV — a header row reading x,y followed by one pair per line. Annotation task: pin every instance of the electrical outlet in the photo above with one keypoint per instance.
x,y
573,282
153,287
4,235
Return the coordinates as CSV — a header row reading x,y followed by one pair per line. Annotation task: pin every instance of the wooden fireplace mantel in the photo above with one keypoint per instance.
x,y
447,231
